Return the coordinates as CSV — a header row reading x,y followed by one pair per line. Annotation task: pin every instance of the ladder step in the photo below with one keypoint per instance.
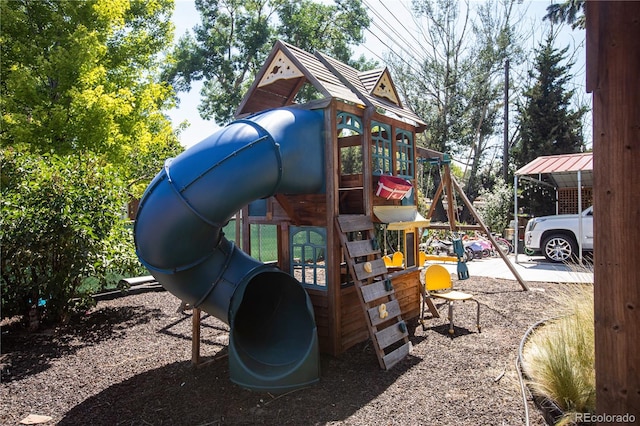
x,y
375,290
360,248
370,276
392,308
397,355
352,223
378,268
388,336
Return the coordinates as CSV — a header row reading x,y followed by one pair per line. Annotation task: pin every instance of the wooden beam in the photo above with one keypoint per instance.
x,y
613,76
434,225
347,141
367,180
284,236
486,230
195,336
432,207
450,200
294,90
196,359
423,152
288,208
334,252
246,230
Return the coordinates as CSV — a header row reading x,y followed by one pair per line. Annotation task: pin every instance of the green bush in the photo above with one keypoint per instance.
x,y
118,259
57,215
498,205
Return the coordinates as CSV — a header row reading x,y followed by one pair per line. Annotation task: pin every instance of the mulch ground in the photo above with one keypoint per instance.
x,y
127,362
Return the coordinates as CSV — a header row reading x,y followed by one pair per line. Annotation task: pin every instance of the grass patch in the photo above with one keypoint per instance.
x,y
559,357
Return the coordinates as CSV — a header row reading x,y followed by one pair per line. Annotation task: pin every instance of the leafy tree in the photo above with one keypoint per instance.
x,y
234,38
455,83
497,42
82,130
80,77
548,124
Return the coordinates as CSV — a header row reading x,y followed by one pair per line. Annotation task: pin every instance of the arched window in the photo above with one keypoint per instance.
x,y
308,259
404,154
349,128
349,121
381,148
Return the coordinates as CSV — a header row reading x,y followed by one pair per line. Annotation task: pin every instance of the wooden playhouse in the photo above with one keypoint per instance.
x,y
327,241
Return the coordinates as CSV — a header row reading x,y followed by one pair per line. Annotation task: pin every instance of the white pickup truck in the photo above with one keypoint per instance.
x,y
557,236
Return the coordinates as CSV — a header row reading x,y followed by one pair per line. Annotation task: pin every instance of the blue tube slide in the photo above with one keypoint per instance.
x,y
273,343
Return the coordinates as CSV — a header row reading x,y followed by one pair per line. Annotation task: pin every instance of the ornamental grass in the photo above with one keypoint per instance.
x,y
559,357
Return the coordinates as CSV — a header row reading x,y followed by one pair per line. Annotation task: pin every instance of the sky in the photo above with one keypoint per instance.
x,y
377,42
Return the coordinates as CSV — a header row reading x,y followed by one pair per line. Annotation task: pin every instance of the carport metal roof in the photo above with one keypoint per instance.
x,y
562,170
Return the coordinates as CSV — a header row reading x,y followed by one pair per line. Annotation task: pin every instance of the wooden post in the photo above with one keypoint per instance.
x,y
195,337
367,162
436,197
486,230
447,178
613,76
334,256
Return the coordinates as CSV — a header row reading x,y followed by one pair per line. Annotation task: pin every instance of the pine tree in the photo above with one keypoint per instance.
x,y
548,124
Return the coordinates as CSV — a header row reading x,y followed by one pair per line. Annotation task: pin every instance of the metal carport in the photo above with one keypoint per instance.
x,y
557,171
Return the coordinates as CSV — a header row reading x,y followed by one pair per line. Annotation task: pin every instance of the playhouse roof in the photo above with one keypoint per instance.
x,y
288,68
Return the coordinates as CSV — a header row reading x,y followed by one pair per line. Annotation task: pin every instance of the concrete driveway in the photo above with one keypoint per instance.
x,y
530,268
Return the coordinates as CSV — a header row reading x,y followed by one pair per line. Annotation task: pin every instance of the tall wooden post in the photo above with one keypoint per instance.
x,y
613,76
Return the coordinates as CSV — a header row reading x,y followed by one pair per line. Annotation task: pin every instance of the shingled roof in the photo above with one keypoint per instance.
x,y
288,68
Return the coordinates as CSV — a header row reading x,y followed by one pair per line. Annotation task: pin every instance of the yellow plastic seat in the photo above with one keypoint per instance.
x,y
422,258
438,284
397,259
394,261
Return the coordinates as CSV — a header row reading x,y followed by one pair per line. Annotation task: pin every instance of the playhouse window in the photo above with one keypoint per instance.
x,y
381,149
308,262
404,154
350,122
350,142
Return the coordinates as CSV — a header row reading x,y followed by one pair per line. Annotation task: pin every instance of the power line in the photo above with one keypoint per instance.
x,y
383,30
385,44
407,43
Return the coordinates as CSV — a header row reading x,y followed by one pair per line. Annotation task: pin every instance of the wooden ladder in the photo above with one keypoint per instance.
x,y
381,309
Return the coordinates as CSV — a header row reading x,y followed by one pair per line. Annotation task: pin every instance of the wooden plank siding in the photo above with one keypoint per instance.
x,y
320,301
303,209
354,328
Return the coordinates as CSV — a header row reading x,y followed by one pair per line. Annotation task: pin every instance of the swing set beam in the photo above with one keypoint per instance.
x,y
449,183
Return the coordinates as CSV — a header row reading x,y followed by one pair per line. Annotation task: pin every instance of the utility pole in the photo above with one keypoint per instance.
x,y
505,148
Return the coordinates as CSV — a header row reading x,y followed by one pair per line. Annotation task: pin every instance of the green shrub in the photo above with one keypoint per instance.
x,y
559,357
498,205
118,259
57,213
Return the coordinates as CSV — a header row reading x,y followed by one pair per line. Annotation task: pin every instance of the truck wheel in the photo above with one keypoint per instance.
x,y
559,248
